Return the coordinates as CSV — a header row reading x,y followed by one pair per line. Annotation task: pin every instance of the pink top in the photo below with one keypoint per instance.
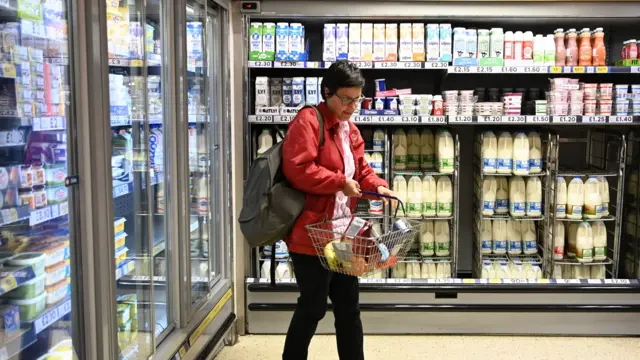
x,y
341,207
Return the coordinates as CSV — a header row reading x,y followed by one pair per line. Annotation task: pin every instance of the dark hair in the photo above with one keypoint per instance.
x,y
341,74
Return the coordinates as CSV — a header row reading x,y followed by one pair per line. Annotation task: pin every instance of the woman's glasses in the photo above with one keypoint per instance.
x,y
346,101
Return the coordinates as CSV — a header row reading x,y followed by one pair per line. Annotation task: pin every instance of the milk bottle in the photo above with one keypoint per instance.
x,y
443,271
584,243
499,237
428,270
413,269
489,188
517,197
592,200
429,191
604,195
265,141
599,231
427,239
399,271
427,151
557,272
489,152
283,271
529,242
486,237
400,187
521,154
400,150
441,228
581,272
535,153
378,140
502,195
514,237
517,270
414,197
575,198
598,272
488,271
558,241
413,150
534,197
502,270
561,202
572,232
444,197
265,269
505,153
445,152
376,163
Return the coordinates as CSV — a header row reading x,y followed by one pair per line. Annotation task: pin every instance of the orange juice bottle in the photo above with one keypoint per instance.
x,y
585,52
599,50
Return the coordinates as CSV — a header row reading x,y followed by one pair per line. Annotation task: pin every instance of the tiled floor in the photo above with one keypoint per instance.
x,y
448,347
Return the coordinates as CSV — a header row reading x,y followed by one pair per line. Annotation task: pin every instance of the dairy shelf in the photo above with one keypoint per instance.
x,y
590,172
604,218
574,261
515,218
431,172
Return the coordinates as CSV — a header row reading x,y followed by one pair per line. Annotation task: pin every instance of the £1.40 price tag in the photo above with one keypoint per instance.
x,y
619,119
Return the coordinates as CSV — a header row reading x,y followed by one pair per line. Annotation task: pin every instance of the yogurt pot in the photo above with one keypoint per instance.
x,y
576,96
57,292
590,107
622,108
606,91
621,89
36,260
424,100
558,96
29,289
466,96
407,99
423,109
605,107
558,108
30,308
466,109
450,96
406,110
576,108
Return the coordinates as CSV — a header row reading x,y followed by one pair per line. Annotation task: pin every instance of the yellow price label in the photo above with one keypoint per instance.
x,y
578,69
183,350
9,283
136,63
543,281
602,69
495,281
555,69
469,281
8,70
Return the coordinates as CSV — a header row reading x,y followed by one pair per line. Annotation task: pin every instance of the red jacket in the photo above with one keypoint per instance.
x,y
319,173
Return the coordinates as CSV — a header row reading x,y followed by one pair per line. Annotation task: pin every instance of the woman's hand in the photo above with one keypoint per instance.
x,y
384,191
352,188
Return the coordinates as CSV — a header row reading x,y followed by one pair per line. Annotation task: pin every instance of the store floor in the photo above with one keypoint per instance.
x,y
269,347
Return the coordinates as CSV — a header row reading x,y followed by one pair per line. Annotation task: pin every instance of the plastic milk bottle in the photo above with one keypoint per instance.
x,y
489,153
604,195
521,154
265,141
441,228
558,241
584,242
400,150
561,202
529,242
575,198
534,197
428,270
502,195
445,152
514,237
427,151
427,239
499,237
414,197
444,197
535,153
489,189
400,187
486,237
592,200
572,233
517,197
413,149
505,153
378,140
599,231
429,191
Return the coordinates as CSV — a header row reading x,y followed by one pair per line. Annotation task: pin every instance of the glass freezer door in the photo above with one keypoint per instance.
x,y
35,239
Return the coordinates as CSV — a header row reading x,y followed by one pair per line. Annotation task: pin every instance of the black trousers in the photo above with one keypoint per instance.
x,y
315,284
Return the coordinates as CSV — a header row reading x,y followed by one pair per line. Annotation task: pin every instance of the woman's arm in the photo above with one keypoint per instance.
x,y
367,178
299,154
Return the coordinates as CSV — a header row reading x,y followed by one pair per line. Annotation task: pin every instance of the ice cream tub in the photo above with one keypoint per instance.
x,y
30,308
118,225
58,291
28,289
57,273
120,240
36,260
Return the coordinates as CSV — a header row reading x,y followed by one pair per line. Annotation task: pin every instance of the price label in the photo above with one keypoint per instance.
x,y
403,281
410,119
120,121
8,70
594,281
377,281
568,281
386,119
260,64
117,62
509,69
565,119
411,65
514,119
40,216
555,69
362,119
264,118
617,281
387,65
635,69
578,69
618,119
538,119
136,63
594,119
9,138
433,119
288,64
364,64
286,118
52,316
436,65
462,119
485,69
535,69
489,119
462,69
602,69
120,190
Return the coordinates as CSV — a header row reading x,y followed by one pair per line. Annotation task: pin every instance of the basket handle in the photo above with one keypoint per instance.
x,y
373,193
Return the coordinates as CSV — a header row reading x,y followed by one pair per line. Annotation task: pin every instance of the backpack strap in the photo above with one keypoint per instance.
x,y
320,121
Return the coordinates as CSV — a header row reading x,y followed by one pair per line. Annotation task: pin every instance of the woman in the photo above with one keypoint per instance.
x,y
332,178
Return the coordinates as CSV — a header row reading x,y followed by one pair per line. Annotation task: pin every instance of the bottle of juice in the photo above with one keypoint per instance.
x,y
572,47
585,51
561,51
599,50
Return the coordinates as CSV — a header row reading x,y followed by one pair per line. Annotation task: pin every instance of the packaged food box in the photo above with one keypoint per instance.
x,y
36,260
55,174
55,252
11,319
120,240
57,194
29,308
58,291
57,272
118,225
132,301
28,289
121,255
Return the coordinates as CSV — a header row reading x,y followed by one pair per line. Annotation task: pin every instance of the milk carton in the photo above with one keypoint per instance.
x,y
282,41
433,42
459,43
391,42
268,42
342,41
255,41
275,90
311,91
297,91
329,43
471,43
319,90
287,91
354,41
417,41
445,42
366,42
379,53
262,91
296,41
405,51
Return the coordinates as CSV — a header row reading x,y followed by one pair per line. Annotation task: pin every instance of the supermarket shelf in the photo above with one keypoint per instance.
x,y
604,218
427,218
431,172
463,120
49,123
125,269
574,261
48,213
51,315
592,172
509,217
543,173
9,216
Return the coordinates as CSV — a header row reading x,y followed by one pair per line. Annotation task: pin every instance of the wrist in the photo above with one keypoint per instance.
x,y
380,189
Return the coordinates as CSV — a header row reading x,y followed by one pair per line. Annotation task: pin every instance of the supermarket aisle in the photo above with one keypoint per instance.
x,y
446,347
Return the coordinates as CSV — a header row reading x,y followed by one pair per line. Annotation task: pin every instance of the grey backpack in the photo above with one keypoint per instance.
x,y
270,205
